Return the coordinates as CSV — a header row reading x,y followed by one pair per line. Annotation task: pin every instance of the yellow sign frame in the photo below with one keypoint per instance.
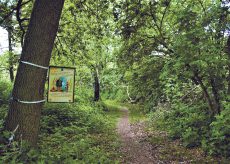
x,y
61,84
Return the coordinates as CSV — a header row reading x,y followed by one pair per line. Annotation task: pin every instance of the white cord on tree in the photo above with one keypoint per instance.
x,y
31,102
35,65
12,135
28,102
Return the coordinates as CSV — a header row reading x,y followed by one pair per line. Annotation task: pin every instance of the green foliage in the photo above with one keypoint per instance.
x,y
219,142
111,105
83,94
165,52
3,112
174,53
195,127
137,112
70,133
112,110
114,93
75,128
191,124
5,90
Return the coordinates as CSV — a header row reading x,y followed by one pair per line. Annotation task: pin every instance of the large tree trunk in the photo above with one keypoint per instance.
x,y
30,80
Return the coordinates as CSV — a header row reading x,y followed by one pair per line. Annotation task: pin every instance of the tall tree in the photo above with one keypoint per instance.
x,y
30,80
88,45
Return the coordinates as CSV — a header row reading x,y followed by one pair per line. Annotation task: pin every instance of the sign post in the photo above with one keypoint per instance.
x,y
61,84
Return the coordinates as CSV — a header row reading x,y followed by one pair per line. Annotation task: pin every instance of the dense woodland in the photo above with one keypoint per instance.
x,y
167,59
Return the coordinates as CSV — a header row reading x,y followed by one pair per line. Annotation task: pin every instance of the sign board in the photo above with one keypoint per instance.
x,y
61,84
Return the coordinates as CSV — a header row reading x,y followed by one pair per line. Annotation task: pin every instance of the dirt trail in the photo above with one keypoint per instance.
x,y
135,149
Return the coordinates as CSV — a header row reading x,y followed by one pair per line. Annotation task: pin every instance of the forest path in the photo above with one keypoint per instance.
x,y
135,148
141,146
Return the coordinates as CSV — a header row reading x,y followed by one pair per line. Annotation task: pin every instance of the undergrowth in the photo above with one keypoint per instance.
x,y
194,127
112,110
70,133
136,112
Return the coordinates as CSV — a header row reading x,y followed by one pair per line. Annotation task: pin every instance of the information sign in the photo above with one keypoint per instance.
x,y
61,84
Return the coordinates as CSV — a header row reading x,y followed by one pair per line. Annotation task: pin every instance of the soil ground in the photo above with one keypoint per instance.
x,y
135,148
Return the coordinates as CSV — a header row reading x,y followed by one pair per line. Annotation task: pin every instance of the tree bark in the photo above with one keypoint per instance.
x,y
206,94
30,80
216,95
228,52
198,81
96,86
10,60
11,66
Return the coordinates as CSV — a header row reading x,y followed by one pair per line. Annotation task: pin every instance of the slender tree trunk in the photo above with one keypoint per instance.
x,y
198,80
206,94
96,85
221,28
216,95
11,58
30,80
228,52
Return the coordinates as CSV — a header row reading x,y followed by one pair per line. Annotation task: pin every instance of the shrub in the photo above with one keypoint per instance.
x,y
3,112
189,123
69,134
64,115
219,141
5,90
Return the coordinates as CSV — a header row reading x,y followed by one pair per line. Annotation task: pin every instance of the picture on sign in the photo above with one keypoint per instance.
x,y
61,84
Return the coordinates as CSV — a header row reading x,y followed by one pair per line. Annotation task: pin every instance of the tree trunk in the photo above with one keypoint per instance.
x,y
216,95
96,85
228,52
11,58
206,94
30,80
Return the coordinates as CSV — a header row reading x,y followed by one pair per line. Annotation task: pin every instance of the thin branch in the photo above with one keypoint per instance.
x,y
13,9
18,9
59,54
164,14
59,41
188,93
202,6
